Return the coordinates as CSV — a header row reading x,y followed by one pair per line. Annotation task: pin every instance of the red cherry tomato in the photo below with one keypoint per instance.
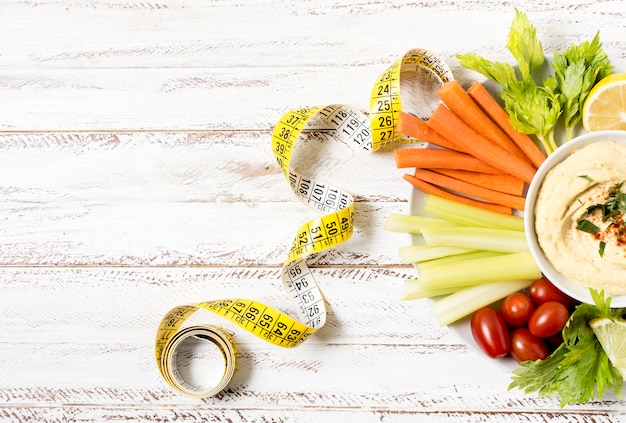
x,y
548,319
526,346
490,332
542,290
517,309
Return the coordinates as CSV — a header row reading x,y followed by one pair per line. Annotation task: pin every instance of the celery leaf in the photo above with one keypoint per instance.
x,y
499,72
533,109
577,70
524,45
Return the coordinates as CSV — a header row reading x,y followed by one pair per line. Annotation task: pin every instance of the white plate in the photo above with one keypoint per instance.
x,y
416,204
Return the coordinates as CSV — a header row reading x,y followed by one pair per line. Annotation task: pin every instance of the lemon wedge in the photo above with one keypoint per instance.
x,y
612,336
605,106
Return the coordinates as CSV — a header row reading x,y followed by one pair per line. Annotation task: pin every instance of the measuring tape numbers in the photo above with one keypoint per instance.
x,y
332,228
427,72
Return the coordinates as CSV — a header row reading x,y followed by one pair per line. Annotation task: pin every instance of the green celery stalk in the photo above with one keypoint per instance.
x,y
419,253
467,215
490,239
513,266
414,290
461,303
444,261
411,224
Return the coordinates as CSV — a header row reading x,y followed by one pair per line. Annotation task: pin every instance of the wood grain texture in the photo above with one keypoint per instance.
x,y
207,65
214,198
136,175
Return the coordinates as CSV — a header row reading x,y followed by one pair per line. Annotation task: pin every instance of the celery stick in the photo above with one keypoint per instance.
x,y
417,253
490,239
413,290
513,266
467,215
413,224
466,301
444,261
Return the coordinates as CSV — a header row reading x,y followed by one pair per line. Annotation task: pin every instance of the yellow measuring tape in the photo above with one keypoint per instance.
x,y
427,72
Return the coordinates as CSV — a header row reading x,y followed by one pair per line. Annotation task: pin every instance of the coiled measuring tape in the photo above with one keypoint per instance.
x,y
335,226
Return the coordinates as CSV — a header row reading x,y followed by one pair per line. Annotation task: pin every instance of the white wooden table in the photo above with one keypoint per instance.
x,y
136,175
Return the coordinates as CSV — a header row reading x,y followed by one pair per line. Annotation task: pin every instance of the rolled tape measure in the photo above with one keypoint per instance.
x,y
333,227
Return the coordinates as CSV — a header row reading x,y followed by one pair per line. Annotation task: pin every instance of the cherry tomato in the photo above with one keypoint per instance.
x,y
542,290
548,319
526,346
517,309
490,332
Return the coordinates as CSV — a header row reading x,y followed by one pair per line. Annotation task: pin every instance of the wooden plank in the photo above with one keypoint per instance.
x,y
186,166
104,34
166,66
92,413
162,199
171,99
125,305
333,378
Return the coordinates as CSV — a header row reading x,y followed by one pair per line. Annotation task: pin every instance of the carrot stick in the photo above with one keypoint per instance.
x,y
440,158
502,183
462,187
456,98
490,106
431,189
448,124
415,127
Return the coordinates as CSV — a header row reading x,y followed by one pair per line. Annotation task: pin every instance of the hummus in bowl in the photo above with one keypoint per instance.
x,y
575,216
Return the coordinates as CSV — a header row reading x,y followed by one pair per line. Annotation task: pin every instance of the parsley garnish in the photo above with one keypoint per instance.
x,y
612,211
586,226
586,178
614,208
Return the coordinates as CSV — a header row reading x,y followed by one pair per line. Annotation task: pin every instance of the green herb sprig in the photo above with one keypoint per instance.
x,y
614,208
613,211
535,108
576,71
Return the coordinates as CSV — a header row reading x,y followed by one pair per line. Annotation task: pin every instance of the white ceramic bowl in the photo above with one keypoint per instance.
x,y
562,282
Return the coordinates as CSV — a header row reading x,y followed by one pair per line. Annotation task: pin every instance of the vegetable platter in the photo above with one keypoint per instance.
x,y
543,97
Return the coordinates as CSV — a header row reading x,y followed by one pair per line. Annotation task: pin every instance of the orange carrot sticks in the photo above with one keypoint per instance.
x,y
490,106
440,158
462,187
448,124
456,98
503,182
415,127
432,189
